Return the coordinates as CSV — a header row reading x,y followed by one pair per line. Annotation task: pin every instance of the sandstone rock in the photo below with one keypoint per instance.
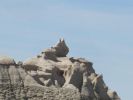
x,y
50,54
113,95
31,64
100,88
61,48
52,75
87,91
4,60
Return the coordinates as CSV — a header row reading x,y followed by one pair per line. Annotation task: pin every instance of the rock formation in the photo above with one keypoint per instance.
x,y
52,75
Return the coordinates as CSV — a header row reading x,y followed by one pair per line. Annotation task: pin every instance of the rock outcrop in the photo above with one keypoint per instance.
x,y
52,75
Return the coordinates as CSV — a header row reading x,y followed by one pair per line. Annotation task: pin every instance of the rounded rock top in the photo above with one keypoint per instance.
x,y
5,60
32,61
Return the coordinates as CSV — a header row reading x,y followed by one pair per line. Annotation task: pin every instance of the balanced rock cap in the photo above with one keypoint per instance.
x,y
61,48
5,60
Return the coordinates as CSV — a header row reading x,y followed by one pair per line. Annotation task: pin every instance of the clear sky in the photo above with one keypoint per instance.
x,y
99,30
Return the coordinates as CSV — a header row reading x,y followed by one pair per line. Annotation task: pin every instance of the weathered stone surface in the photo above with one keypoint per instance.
x,y
4,60
113,95
52,75
59,50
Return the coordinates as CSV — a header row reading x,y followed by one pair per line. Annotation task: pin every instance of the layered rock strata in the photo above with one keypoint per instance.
x,y
52,75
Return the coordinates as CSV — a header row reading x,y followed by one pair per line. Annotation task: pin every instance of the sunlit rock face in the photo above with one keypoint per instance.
x,y
51,75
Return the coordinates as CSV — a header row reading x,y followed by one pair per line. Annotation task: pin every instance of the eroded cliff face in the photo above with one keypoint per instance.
x,y
52,75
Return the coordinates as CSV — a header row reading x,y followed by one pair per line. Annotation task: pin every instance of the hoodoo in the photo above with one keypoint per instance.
x,y
52,75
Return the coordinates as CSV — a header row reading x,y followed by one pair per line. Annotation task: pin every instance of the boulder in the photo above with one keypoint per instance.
x,y
61,48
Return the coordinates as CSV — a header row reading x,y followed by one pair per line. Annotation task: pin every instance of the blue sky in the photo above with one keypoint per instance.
x,y
99,30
